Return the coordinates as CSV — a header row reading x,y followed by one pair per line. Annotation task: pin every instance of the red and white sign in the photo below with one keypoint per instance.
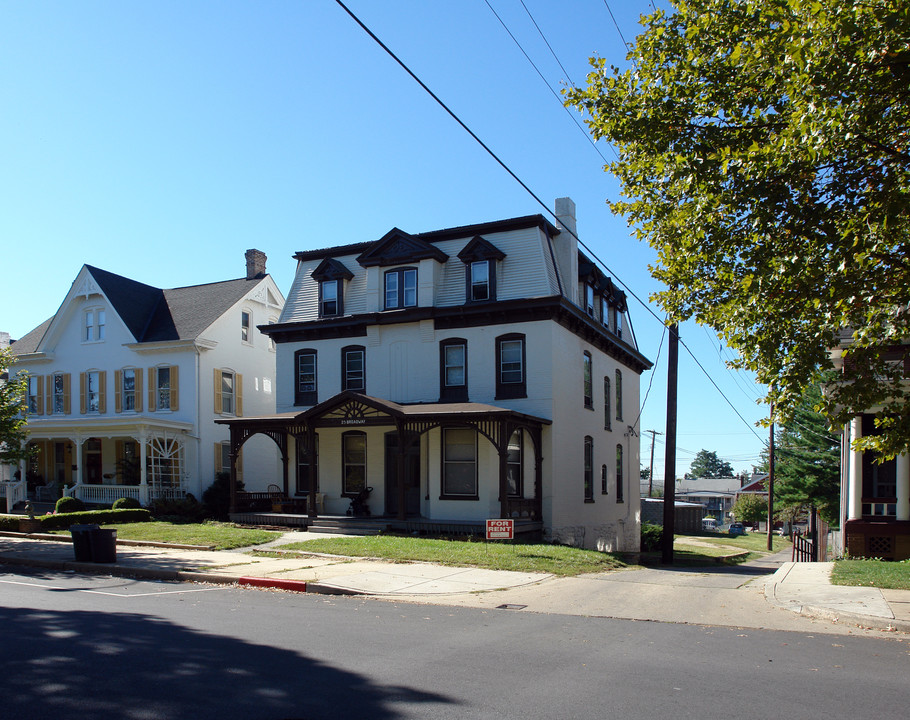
x,y
500,529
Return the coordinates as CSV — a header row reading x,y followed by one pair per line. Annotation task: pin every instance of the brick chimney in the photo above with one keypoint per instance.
x,y
255,264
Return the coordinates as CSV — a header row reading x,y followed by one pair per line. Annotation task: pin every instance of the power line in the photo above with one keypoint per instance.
x,y
539,202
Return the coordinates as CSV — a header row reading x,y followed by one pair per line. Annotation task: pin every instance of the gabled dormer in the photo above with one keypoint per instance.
x,y
480,258
332,276
408,262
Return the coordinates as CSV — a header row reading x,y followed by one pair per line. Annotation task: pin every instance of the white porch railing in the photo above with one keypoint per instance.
x,y
106,494
14,492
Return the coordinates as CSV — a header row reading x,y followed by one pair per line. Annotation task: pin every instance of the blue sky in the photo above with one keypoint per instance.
x,y
160,140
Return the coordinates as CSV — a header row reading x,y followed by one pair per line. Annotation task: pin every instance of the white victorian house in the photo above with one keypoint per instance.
x,y
485,371
126,380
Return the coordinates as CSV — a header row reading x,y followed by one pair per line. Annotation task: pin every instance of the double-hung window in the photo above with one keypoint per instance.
x,y
92,392
354,462
353,368
400,288
128,389
34,395
305,377
589,299
607,414
329,298
618,395
619,493
60,393
588,382
511,370
227,392
246,322
480,280
589,468
93,330
459,463
453,370
162,387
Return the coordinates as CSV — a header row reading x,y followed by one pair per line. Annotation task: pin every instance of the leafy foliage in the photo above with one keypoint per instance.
x,y
750,508
763,146
807,460
62,521
13,392
651,536
707,465
68,504
126,503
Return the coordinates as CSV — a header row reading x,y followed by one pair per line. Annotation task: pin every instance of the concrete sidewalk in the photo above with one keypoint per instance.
x,y
768,593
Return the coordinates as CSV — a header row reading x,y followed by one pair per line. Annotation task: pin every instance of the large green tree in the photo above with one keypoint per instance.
x,y
807,461
764,152
707,465
13,390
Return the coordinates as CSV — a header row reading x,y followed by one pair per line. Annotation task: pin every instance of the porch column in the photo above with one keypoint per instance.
x,y
855,477
903,487
400,470
143,467
232,459
505,434
311,470
77,442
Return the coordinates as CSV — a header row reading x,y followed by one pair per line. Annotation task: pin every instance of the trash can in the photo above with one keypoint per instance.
x,y
104,545
82,541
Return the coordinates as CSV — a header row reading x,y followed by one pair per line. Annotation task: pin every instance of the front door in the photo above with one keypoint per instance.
x,y
92,456
411,477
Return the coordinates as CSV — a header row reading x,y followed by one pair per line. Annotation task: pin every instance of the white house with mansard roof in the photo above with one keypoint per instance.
x,y
478,372
126,380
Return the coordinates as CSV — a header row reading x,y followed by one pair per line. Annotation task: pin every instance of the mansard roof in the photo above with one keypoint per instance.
x,y
480,249
331,269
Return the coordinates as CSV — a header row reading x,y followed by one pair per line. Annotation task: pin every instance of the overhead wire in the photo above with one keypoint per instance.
x,y
540,202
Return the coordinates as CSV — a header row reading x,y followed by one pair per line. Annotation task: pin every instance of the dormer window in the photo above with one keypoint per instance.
x,y
589,299
93,329
329,298
480,280
400,288
479,258
331,275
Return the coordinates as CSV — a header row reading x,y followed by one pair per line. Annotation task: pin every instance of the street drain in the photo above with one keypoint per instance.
x,y
509,606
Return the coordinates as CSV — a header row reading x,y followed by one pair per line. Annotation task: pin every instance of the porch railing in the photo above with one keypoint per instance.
x,y
522,509
14,492
107,494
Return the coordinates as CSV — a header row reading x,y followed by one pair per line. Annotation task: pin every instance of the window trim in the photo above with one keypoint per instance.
x,y
444,493
93,324
400,273
303,452
338,300
470,283
511,390
588,469
608,404
246,326
619,473
452,393
230,395
618,391
306,397
589,300
519,484
346,376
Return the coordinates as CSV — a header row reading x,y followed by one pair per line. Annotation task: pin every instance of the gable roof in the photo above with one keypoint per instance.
x,y
155,315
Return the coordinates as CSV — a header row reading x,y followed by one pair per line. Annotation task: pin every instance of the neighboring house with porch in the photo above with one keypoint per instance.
x,y
477,372
126,380
875,496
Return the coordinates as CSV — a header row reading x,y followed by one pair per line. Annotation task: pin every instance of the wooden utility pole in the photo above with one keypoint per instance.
x,y
670,460
651,471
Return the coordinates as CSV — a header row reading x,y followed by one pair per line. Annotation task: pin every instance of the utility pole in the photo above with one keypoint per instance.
x,y
670,460
651,471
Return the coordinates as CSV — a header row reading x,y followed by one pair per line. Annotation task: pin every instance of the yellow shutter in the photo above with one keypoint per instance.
x,y
218,394
67,405
40,396
175,389
82,393
118,391
138,372
238,394
49,395
102,391
153,381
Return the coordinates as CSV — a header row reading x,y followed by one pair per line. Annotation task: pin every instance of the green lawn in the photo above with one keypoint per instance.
x,y
710,548
555,559
872,573
220,536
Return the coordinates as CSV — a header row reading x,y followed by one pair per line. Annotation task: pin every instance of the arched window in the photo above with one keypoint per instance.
x,y
619,476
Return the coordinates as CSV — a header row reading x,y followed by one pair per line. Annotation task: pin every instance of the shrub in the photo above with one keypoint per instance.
x,y
217,498
69,505
96,517
187,509
9,523
126,503
651,536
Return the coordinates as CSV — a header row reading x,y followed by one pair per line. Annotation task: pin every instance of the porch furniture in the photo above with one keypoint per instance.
x,y
48,492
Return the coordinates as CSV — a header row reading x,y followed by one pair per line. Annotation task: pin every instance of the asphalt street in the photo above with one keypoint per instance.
x,y
77,646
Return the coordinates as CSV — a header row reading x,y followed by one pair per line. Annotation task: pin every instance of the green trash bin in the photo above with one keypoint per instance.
x,y
104,545
82,541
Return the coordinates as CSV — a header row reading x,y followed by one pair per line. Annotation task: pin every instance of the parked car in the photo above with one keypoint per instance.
x,y
736,529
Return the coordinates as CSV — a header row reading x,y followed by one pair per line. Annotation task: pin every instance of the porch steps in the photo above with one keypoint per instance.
x,y
348,525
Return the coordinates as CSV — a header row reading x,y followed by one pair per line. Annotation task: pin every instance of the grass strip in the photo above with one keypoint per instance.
x,y
517,557
220,536
872,573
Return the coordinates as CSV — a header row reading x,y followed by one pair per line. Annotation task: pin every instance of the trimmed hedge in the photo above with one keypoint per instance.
x,y
126,503
97,517
10,523
68,504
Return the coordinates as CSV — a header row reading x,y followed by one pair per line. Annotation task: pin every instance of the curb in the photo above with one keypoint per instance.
x,y
862,621
275,583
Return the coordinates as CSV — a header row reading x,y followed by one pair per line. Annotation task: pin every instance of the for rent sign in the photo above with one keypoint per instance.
x,y
500,529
